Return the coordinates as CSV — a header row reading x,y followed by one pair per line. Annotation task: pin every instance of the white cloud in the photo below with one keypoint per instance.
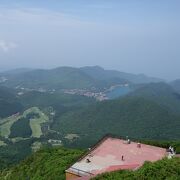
x,y
7,46
39,16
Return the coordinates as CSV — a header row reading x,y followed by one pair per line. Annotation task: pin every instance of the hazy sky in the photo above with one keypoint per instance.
x,y
138,36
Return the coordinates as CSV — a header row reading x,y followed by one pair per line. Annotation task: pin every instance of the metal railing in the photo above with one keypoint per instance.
x,y
80,172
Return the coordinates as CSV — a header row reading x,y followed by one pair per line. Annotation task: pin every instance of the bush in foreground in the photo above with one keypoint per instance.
x,y
45,164
160,170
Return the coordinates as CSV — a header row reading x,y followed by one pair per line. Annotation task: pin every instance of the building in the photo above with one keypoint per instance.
x,y
111,154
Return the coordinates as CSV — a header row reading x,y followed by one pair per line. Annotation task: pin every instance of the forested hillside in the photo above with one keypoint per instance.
x,y
130,116
28,130
152,111
176,85
57,100
100,73
49,163
64,77
161,93
9,103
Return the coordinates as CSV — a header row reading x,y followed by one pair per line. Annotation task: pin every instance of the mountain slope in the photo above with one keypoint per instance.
x,y
17,71
64,77
20,134
131,116
161,93
55,100
8,103
45,164
100,73
176,85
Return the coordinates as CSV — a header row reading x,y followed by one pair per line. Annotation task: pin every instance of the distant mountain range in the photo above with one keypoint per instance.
x,y
70,78
176,85
16,71
98,72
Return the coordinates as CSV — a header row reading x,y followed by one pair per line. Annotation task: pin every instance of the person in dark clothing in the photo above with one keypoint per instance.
x,y
122,158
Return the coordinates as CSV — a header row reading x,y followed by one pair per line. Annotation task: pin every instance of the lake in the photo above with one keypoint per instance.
x,y
118,91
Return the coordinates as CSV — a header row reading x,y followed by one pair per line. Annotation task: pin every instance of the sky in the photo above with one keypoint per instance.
x,y
136,36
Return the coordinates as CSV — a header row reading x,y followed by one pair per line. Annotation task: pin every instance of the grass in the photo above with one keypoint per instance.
x,y
5,125
35,123
2,143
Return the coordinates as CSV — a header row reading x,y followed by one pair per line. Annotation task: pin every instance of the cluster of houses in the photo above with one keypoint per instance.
x,y
100,96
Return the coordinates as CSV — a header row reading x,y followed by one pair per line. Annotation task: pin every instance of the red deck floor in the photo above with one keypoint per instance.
x,y
107,156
